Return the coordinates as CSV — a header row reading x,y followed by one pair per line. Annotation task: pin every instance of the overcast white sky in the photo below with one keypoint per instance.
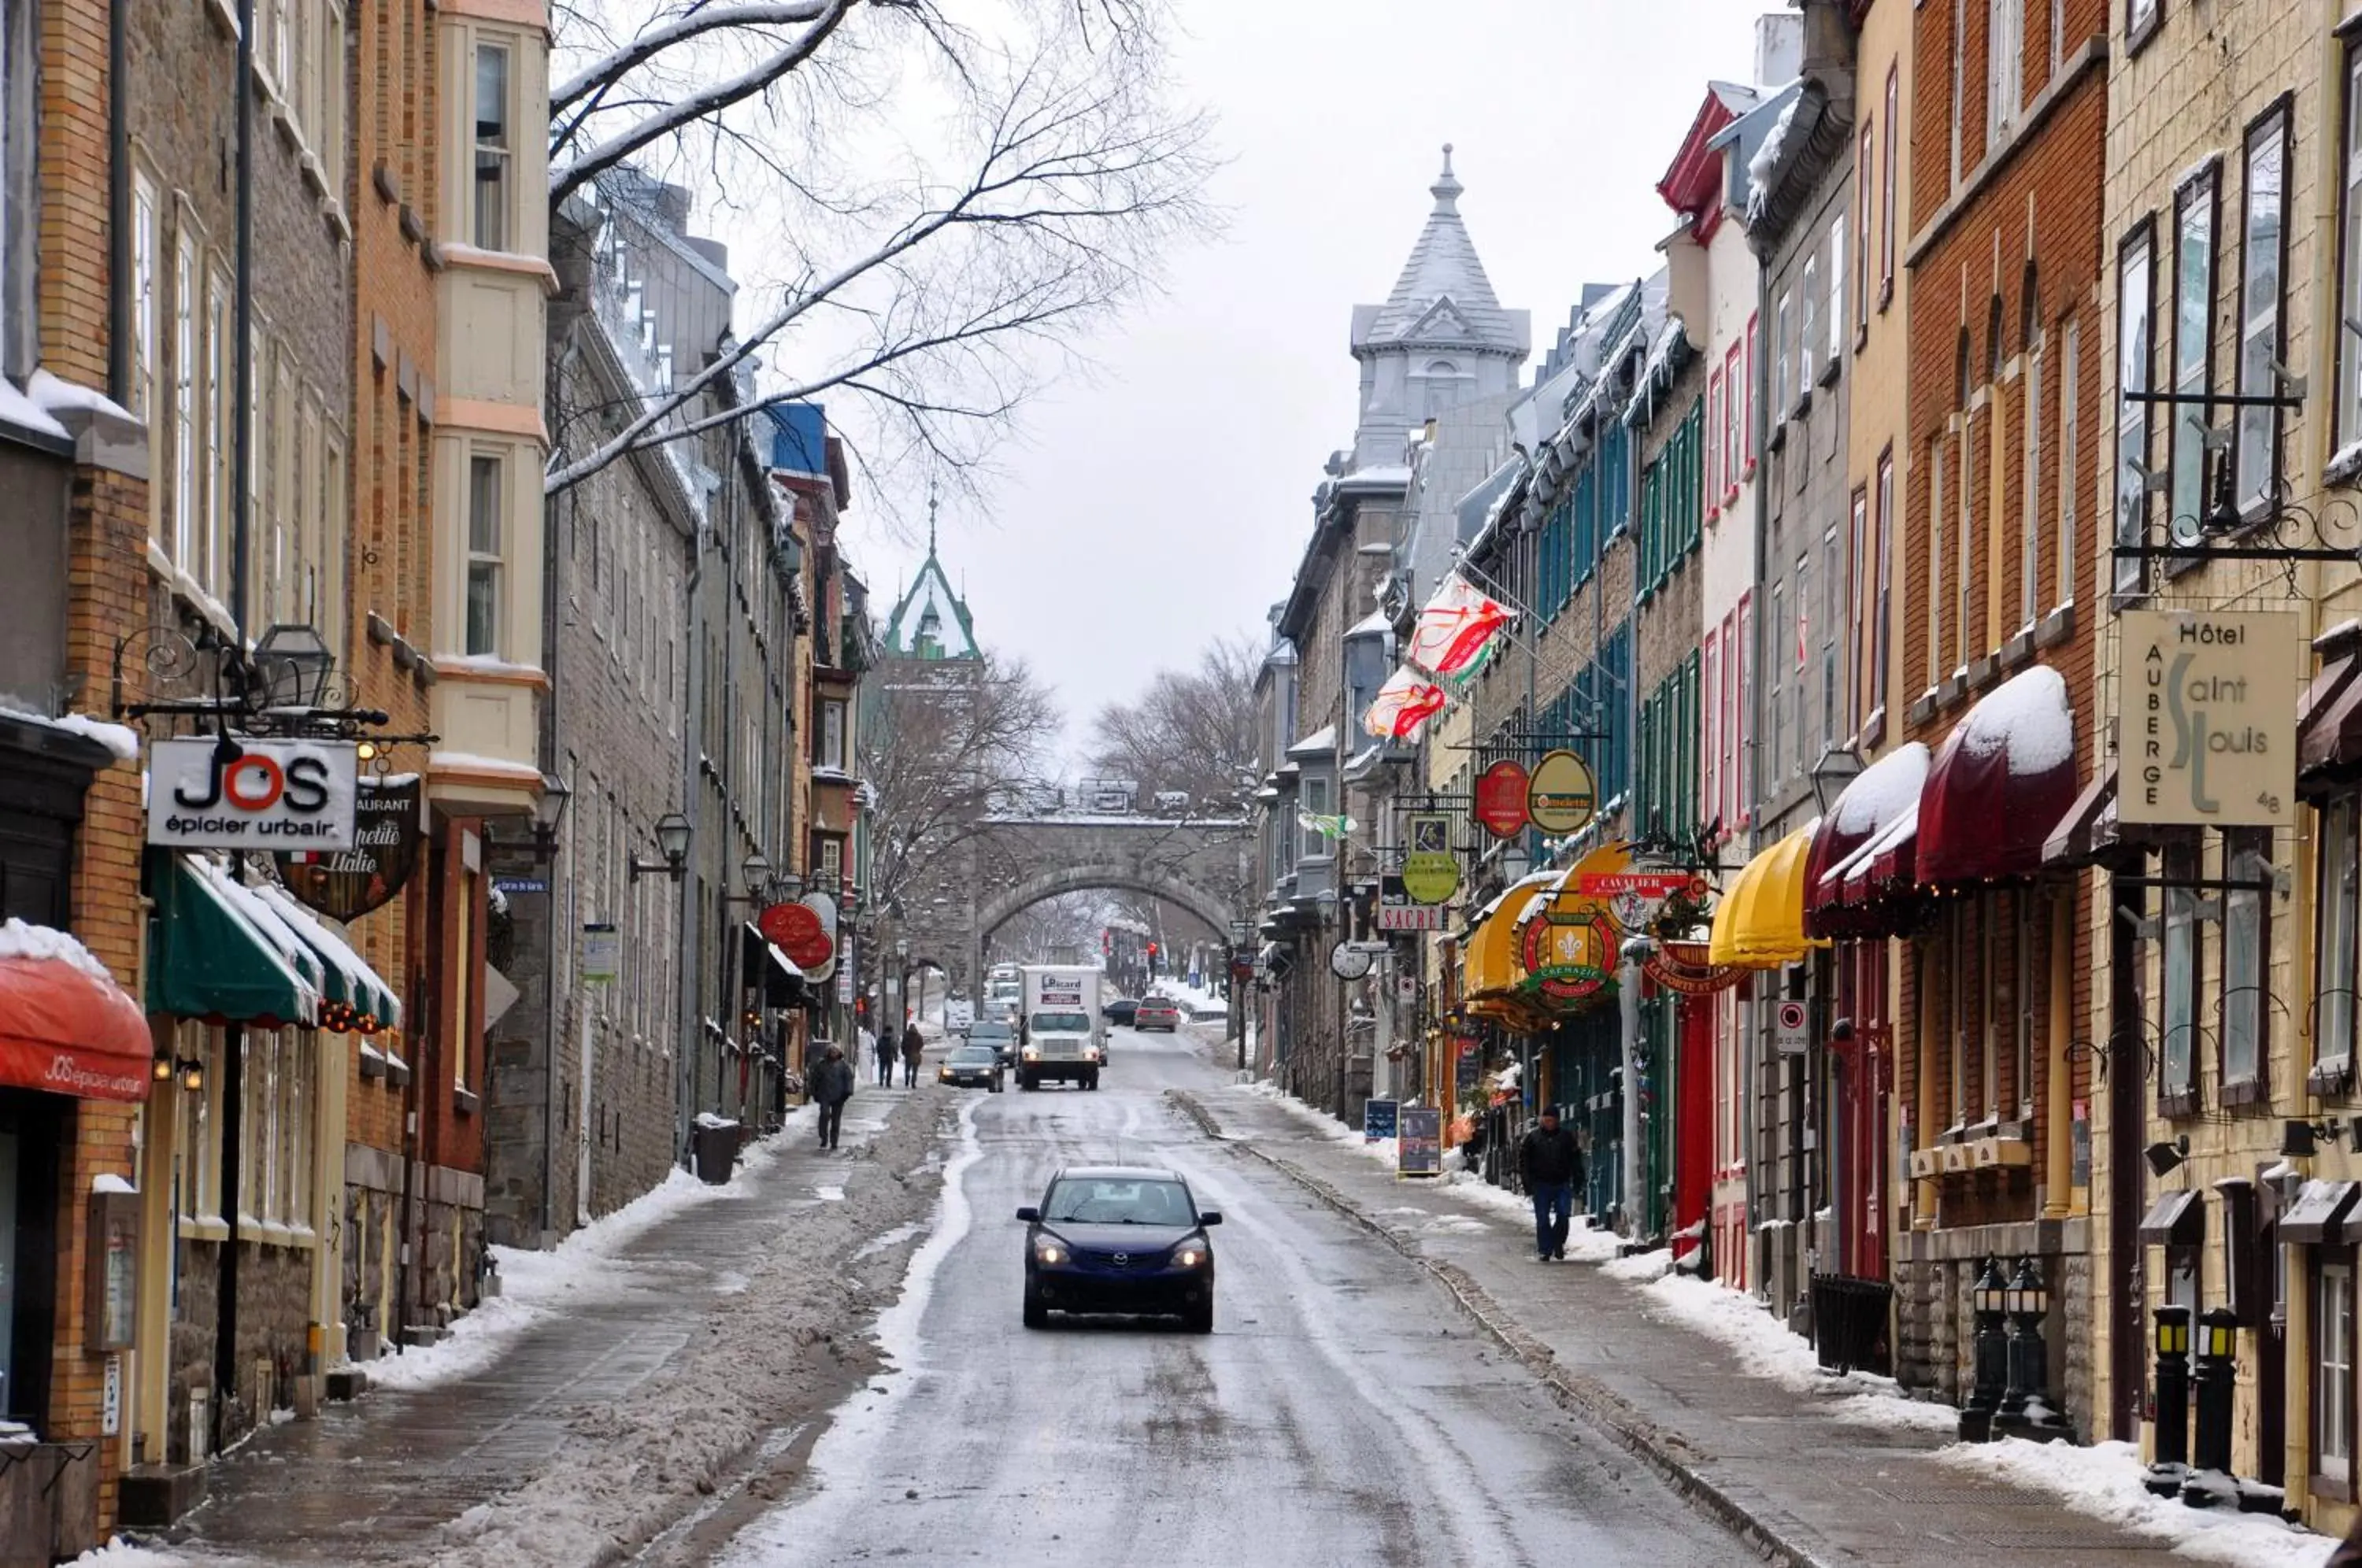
x,y
1168,499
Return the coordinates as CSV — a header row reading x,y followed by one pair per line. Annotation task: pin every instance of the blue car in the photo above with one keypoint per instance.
x,y
1127,1238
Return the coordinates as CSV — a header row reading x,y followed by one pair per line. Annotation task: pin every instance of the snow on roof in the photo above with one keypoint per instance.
x,y
1376,621
1442,270
1319,743
107,1181
1882,792
1397,474
1758,167
121,742
22,939
56,396
2028,715
23,412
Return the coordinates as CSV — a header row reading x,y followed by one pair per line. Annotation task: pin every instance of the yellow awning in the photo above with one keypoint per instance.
x,y
1489,961
1761,922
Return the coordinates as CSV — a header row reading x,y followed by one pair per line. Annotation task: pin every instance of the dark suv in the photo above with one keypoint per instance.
x,y
1119,1239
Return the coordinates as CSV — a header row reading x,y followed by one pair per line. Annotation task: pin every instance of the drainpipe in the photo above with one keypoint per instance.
x,y
118,212
1751,1042
685,1047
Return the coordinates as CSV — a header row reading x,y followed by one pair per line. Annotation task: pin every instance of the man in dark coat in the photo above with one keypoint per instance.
x,y
912,1044
832,1085
1552,1163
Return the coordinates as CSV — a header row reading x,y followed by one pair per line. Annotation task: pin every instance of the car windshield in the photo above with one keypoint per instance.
x,y
974,1057
988,1029
1102,1200
1060,1023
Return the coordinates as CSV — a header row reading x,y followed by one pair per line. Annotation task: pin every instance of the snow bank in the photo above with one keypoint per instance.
x,y
536,1285
121,1553
2104,1481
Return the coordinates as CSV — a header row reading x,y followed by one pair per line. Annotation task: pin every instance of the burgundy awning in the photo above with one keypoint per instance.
x,y
1885,792
2329,718
2005,777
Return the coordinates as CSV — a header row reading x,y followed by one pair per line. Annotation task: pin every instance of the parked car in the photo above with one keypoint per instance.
x,y
1118,1239
1158,1013
972,1067
1119,1011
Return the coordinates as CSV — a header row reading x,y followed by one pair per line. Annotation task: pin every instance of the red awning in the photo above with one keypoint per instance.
x,y
2005,779
1885,792
67,1029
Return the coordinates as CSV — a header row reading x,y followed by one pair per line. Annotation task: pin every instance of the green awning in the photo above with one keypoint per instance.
x,y
349,977
214,952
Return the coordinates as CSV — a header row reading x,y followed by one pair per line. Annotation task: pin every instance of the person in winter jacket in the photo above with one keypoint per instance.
x,y
912,1044
882,1053
832,1085
1552,1163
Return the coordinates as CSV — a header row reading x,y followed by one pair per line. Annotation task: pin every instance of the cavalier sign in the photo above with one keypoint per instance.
x,y
276,795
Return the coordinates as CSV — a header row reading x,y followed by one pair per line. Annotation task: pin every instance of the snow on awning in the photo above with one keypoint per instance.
x,y
1880,795
2003,779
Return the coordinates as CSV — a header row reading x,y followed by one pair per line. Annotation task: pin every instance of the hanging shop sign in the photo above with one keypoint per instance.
x,y
1431,872
387,831
1568,960
1683,967
1501,804
1561,794
1350,960
797,930
1637,896
1398,911
274,794
600,955
1418,1141
2209,737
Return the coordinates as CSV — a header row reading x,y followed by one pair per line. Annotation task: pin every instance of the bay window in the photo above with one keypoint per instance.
x,y
2263,245
486,498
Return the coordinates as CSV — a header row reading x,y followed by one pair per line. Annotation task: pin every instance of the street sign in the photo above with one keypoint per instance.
x,y
1377,1120
1410,917
274,794
1406,988
1418,1141
1501,809
1561,795
1788,1028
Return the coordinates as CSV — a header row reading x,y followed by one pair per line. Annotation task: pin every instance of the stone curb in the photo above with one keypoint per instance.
x,y
1667,1452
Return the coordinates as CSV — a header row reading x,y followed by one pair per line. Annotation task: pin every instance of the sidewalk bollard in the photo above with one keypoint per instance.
x,y
2170,1465
2218,1331
1989,1300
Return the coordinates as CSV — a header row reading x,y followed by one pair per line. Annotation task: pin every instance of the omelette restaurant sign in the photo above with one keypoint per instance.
x,y
2210,718
274,795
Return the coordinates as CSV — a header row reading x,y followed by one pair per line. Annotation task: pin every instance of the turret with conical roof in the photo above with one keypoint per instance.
x,y
930,621
1440,340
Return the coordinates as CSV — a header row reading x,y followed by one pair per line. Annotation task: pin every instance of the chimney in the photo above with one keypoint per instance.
x,y
1778,49
672,207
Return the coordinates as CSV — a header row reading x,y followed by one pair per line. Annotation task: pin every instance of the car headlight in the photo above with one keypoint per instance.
x,y
944,1074
1047,1251
1031,1052
1189,1254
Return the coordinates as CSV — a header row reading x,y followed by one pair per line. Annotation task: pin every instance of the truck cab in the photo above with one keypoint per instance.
x,y
1061,1037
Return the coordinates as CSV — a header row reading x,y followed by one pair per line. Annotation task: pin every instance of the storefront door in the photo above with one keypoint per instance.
x,y
29,1245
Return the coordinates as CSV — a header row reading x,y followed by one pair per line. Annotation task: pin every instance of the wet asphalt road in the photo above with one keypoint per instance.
x,y
1344,1411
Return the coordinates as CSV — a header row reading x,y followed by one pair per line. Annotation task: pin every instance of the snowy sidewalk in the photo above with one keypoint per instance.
x,y
1827,1471
623,1375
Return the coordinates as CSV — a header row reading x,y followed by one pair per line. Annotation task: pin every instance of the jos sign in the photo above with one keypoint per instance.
x,y
2209,730
281,795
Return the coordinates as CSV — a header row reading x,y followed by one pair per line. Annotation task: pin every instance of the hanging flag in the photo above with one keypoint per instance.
x,y
1403,706
1454,628
1334,827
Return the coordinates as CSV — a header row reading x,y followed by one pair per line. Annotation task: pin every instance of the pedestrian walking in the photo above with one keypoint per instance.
x,y
1551,1162
832,1085
880,1052
912,1044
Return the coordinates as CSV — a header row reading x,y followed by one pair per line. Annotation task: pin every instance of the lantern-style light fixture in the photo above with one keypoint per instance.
x,y
2217,1330
1990,1294
2026,1295
193,1074
755,868
162,1069
672,838
2173,1331
293,661
791,884
550,809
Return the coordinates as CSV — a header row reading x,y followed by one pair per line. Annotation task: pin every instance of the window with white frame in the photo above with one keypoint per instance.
x,y
2193,349
1781,387
2134,316
2177,1072
2337,906
2029,528
1886,217
1936,520
2248,863
1837,291
1711,753
1808,336
832,733
2349,288
1882,527
145,238
487,496
221,393
2029,934
1314,844
2005,65
1960,78
1964,544
1865,184
2262,256
2071,372
494,122
186,315
2332,1372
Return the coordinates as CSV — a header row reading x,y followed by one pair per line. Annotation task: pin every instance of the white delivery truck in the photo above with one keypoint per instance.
x,y
1059,1031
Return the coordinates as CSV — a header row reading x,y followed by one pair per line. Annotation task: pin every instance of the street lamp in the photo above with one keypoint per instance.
x,y
549,812
1839,766
672,838
293,661
757,869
